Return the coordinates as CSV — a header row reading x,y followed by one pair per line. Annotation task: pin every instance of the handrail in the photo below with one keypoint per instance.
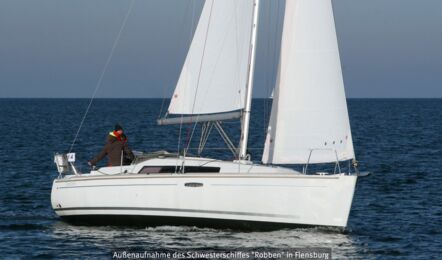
x,y
337,165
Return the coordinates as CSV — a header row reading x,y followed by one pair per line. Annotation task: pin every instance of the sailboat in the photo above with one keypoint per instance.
x,y
308,126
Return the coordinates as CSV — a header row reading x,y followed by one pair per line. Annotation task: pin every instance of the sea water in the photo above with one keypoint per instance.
x,y
396,213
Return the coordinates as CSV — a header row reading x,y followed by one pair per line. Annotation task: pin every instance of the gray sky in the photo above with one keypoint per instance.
x,y
57,48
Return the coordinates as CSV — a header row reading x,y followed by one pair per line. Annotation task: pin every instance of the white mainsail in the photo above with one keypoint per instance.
x,y
309,121
214,76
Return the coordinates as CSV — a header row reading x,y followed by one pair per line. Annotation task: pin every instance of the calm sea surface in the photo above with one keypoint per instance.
x,y
397,211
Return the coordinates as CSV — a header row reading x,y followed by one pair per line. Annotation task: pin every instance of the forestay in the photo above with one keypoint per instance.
x,y
214,76
309,120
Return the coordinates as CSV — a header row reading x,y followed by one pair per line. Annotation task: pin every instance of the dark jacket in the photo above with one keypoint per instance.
x,y
113,149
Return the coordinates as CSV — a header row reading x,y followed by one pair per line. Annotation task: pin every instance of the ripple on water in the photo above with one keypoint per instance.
x,y
396,211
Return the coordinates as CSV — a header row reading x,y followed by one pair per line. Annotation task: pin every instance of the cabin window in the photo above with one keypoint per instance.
x,y
173,169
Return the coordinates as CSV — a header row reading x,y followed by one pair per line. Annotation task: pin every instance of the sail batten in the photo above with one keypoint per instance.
x,y
214,76
309,120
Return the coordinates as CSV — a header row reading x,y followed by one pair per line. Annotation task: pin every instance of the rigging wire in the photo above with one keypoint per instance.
x,y
182,21
189,138
267,74
275,61
191,32
103,72
199,77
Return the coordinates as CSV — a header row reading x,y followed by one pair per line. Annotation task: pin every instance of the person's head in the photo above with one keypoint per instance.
x,y
119,129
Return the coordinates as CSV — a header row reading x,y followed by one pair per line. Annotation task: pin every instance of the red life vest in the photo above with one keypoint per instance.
x,y
118,136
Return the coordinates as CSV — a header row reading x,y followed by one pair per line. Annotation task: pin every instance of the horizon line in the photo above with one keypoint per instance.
x,y
170,98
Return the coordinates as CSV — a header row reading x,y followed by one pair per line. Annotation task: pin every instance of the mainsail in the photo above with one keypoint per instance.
x,y
309,121
214,76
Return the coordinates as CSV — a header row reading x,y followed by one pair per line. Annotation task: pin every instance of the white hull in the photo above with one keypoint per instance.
x,y
282,198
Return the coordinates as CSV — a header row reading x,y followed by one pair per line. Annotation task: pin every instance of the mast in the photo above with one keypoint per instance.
x,y
248,103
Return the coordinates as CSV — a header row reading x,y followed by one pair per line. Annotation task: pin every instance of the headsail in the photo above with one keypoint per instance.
x,y
214,76
309,121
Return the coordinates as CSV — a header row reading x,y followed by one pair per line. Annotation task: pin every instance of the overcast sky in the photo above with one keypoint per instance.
x,y
57,48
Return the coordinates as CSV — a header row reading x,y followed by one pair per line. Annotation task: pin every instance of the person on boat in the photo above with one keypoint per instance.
x,y
116,149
